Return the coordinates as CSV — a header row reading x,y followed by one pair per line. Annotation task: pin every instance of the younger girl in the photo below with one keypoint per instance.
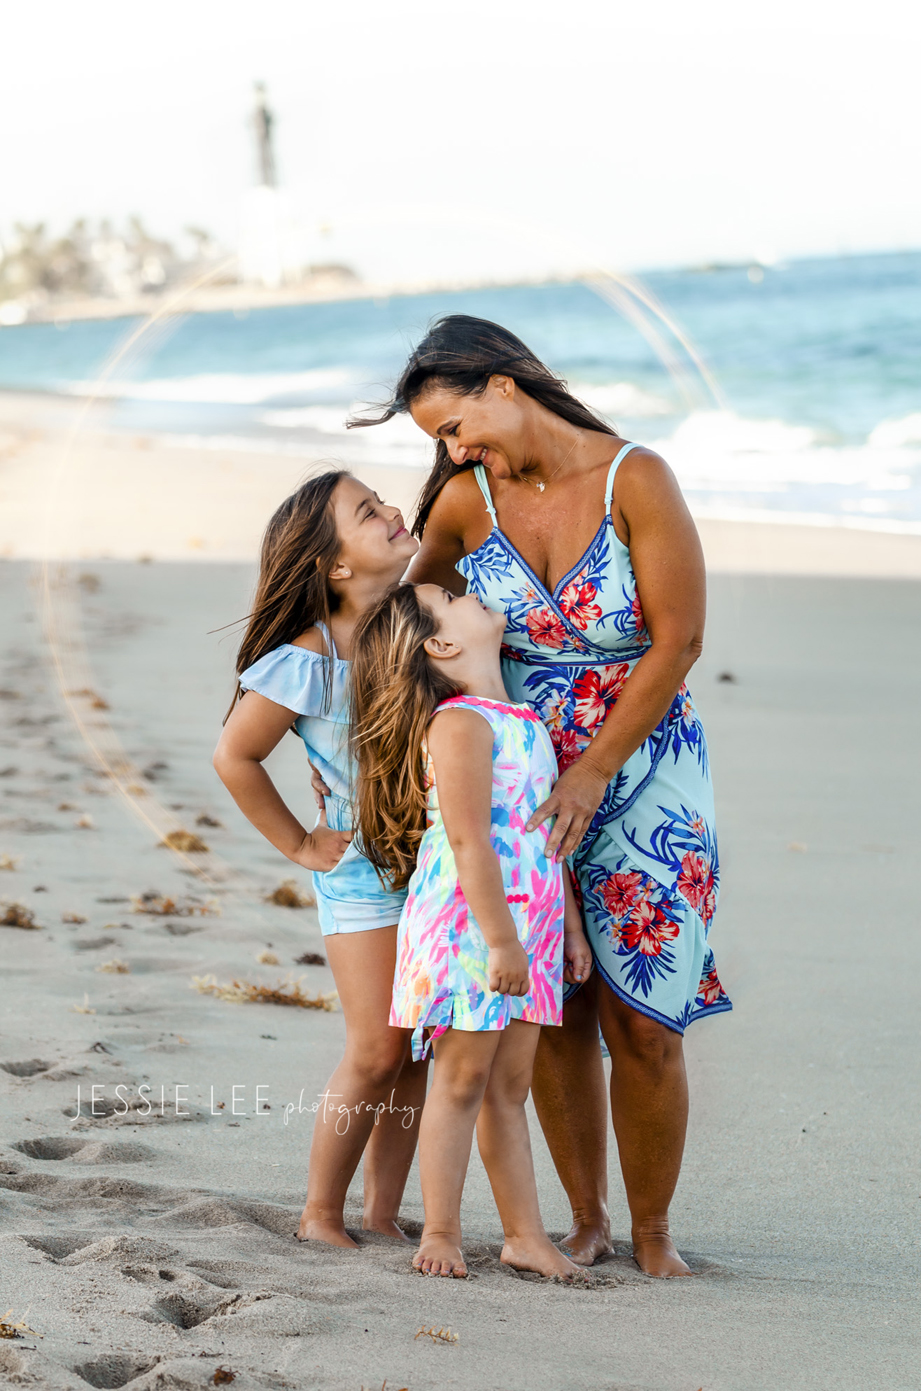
x,y
330,551
481,948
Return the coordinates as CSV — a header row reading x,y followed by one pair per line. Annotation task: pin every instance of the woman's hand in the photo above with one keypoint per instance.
x,y
508,969
322,849
575,798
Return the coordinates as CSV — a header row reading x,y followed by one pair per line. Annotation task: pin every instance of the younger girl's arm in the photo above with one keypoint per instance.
x,y
460,743
255,726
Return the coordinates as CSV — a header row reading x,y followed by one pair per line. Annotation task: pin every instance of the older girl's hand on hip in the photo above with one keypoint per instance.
x,y
575,798
322,848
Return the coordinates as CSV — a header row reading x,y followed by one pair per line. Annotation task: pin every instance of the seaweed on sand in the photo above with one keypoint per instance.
x,y
285,992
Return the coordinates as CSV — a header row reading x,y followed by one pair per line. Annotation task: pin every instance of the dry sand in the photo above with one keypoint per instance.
x,y
150,1249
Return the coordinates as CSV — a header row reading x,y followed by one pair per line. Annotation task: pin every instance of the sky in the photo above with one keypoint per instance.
x,y
422,139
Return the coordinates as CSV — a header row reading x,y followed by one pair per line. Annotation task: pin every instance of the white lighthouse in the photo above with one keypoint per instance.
x,y
269,251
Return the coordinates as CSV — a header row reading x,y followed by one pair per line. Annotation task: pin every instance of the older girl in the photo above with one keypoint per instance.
x,y
329,552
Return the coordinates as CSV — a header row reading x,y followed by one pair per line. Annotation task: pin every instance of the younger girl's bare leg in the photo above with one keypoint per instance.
x,y
505,1148
462,1067
389,1153
362,965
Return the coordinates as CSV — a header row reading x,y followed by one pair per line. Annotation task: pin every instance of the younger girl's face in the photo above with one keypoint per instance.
x,y
373,539
463,622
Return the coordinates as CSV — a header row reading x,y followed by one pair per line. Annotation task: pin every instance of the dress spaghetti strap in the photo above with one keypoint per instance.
x,y
480,473
609,487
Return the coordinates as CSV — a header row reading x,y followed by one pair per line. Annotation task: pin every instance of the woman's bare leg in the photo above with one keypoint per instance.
x,y
389,1152
505,1148
572,1107
649,1104
362,965
462,1066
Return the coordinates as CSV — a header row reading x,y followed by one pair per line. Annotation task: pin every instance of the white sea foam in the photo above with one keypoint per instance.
x,y
217,388
891,434
621,398
717,449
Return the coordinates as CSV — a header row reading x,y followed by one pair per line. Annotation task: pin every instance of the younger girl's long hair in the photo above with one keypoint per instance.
x,y
461,353
395,689
299,549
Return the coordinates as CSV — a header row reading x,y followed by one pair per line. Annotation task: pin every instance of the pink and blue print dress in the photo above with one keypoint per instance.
x,y
442,976
647,869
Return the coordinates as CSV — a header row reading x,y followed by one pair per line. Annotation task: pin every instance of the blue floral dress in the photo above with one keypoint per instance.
x,y
647,869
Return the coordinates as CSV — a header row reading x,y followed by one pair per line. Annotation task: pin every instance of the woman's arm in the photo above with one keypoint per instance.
x,y
668,563
254,728
460,743
443,541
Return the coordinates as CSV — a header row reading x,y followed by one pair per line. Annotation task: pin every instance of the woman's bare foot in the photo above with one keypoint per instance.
x,y
655,1254
586,1241
539,1255
439,1255
325,1229
387,1227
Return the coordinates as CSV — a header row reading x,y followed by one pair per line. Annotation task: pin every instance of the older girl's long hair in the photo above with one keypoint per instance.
x,y
299,549
395,689
461,353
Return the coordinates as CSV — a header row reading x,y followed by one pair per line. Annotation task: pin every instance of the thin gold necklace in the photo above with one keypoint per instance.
x,y
541,484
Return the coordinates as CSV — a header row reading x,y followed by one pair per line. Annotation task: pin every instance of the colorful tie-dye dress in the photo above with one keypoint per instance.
x,y
442,976
647,868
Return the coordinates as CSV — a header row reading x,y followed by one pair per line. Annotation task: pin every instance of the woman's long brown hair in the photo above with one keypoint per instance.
x,y
395,689
299,549
461,353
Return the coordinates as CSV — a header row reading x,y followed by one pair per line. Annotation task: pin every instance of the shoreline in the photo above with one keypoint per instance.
x,y
170,500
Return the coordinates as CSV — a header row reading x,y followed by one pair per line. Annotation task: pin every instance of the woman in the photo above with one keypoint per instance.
x,y
549,516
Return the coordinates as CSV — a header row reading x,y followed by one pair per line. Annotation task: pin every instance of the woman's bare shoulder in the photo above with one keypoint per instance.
x,y
459,501
643,474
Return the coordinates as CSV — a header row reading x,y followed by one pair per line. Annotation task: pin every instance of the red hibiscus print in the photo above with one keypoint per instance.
x,y
696,884
596,690
576,601
710,990
546,629
648,928
568,745
620,892
636,609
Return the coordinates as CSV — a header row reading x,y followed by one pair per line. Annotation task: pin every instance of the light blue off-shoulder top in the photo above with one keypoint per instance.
x,y
297,679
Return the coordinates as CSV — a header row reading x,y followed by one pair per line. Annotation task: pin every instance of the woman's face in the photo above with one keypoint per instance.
x,y
373,540
486,429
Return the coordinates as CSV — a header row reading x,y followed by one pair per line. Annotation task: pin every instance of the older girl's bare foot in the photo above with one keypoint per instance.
x,y
587,1241
440,1255
539,1255
325,1229
387,1227
655,1254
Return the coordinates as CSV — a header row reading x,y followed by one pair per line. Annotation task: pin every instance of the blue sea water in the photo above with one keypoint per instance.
x,y
817,366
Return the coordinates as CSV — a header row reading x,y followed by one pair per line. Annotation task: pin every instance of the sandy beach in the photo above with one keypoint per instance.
x,y
149,1248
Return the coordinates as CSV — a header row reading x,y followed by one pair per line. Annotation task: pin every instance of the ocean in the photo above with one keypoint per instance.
x,y
808,410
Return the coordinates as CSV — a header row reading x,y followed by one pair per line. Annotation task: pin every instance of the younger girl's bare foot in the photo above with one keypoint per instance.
x,y
439,1255
586,1241
325,1229
655,1254
539,1255
387,1227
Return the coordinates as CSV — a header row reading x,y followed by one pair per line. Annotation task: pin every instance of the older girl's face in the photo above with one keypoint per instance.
x,y
485,429
373,539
